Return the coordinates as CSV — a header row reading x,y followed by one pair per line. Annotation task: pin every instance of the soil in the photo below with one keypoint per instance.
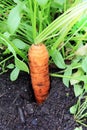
x,y
19,111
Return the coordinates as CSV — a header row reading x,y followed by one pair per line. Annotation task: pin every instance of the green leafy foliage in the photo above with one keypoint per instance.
x,y
85,87
73,109
21,65
75,75
58,59
78,90
82,51
84,64
81,112
78,128
14,74
42,2
20,44
59,1
67,73
10,66
16,1
14,19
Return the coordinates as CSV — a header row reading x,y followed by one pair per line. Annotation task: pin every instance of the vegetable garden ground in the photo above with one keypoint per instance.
x,y
19,111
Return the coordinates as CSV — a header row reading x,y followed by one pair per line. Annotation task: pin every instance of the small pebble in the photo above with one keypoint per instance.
x,y
55,94
25,90
45,110
34,122
9,96
29,109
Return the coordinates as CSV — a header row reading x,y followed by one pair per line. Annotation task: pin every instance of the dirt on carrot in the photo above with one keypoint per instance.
x,y
39,70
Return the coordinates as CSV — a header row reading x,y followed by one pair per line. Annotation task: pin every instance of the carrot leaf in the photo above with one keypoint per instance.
x,y
14,74
20,44
21,65
78,90
14,19
58,59
84,64
42,2
10,66
67,72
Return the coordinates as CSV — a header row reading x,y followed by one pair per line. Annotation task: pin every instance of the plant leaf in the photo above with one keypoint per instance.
x,y
69,17
7,34
84,64
20,44
79,73
8,43
78,90
16,1
12,48
14,19
14,74
67,72
42,2
81,51
73,109
59,1
78,128
58,59
21,65
85,87
10,66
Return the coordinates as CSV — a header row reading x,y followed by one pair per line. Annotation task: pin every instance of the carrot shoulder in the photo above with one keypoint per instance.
x,y
39,71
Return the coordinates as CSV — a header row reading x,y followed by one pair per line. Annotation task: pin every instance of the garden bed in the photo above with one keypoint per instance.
x,y
18,109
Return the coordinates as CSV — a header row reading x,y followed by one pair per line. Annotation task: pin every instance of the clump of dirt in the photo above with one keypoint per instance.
x,y
19,111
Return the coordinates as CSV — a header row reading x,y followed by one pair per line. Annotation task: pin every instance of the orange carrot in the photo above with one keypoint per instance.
x,y
39,71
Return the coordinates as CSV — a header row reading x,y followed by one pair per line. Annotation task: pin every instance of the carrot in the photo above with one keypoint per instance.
x,y
39,71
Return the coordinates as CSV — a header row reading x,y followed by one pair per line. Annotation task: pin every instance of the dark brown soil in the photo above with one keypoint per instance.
x,y
19,111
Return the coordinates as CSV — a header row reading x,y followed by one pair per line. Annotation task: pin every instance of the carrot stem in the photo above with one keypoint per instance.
x,y
33,16
34,22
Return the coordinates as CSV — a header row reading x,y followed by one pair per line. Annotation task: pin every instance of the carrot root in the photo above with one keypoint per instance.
x,y
39,71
